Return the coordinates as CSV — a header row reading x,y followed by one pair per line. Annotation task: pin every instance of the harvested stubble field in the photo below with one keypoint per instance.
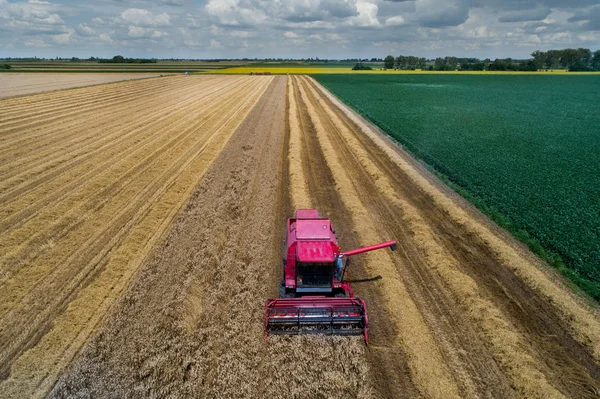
x,y
20,84
106,293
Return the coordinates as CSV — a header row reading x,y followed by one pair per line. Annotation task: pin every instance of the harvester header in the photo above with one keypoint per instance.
x,y
313,296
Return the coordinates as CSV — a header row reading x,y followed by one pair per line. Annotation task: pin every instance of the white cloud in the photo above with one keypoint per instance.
x,y
36,13
105,38
85,30
395,21
589,37
192,43
367,14
215,44
478,32
37,42
236,12
137,32
144,18
64,38
291,35
241,34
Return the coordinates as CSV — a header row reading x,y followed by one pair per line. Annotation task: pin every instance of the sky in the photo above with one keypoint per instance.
x,y
334,29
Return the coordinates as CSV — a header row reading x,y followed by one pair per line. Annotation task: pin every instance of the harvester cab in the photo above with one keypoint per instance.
x,y
313,296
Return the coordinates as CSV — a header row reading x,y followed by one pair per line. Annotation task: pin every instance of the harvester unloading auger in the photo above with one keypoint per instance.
x,y
313,296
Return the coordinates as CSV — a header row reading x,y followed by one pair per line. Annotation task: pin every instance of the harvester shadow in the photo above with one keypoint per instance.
x,y
365,280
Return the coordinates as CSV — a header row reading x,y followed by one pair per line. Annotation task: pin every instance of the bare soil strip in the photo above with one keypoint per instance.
x,y
19,84
74,253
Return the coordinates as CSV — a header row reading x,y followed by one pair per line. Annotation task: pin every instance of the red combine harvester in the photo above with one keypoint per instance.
x,y
313,296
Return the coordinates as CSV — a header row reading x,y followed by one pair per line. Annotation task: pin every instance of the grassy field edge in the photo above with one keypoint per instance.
x,y
548,255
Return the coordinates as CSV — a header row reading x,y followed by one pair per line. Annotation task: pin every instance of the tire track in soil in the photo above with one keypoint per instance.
x,y
30,108
68,132
105,98
75,184
107,271
475,370
566,363
388,369
191,324
19,320
26,83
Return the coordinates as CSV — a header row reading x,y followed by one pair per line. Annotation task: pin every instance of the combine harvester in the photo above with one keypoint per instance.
x,y
313,296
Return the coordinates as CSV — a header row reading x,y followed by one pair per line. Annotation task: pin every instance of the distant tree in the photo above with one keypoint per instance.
x,y
451,63
388,62
361,67
472,66
118,59
539,58
402,62
552,58
5,66
581,59
529,66
497,65
596,61
446,63
584,56
440,64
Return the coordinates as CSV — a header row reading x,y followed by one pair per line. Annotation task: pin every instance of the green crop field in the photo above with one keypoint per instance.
x,y
525,149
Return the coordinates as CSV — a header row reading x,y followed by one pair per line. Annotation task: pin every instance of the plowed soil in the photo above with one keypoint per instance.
x,y
143,230
20,84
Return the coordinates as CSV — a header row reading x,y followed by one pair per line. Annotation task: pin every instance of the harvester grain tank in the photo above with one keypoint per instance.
x,y
313,296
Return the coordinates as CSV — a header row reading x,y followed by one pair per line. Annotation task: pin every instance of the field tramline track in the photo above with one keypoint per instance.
x,y
141,204
109,192
81,101
143,163
119,143
72,127
123,194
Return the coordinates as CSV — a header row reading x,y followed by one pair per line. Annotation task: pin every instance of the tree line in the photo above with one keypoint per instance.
x,y
581,59
119,59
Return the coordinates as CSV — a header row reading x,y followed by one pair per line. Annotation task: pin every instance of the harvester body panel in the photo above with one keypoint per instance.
x,y
313,296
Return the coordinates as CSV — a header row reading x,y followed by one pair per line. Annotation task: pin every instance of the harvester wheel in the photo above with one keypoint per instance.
x,y
282,292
